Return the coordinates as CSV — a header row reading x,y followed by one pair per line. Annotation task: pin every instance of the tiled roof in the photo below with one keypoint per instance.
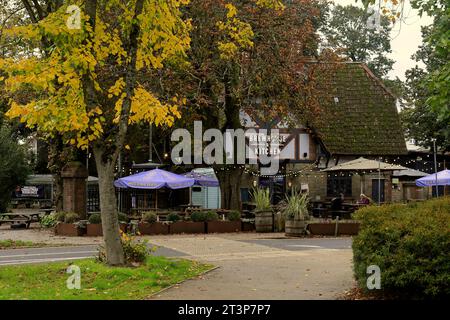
x,y
359,115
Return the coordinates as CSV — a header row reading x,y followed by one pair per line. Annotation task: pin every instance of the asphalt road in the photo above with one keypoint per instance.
x,y
65,253
305,243
50,254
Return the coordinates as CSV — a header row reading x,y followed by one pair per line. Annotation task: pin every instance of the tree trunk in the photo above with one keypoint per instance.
x,y
57,158
58,192
110,220
230,183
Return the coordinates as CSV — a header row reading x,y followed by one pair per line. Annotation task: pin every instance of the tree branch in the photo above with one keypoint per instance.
x,y
30,11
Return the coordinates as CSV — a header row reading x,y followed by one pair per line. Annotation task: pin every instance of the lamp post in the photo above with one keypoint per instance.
x,y
379,180
435,166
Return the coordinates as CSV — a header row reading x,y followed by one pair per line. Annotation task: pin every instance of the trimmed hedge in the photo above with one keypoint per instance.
x,y
411,245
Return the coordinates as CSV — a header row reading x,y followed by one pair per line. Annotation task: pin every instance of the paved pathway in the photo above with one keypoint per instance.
x,y
265,268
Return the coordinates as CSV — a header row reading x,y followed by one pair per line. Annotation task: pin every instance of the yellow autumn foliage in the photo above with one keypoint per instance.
x,y
58,102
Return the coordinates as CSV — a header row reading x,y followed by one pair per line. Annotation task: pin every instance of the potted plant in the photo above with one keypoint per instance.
x,y
263,211
196,225
296,214
67,224
232,224
94,227
150,225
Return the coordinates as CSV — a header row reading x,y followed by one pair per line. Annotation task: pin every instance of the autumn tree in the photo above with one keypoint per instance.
x,y
88,81
436,82
421,121
347,30
51,146
14,166
252,56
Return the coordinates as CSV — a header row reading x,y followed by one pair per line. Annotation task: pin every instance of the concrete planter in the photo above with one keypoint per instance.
x,y
153,228
187,227
223,226
68,229
264,221
295,228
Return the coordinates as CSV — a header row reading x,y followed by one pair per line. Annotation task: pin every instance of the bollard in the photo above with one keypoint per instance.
x,y
337,224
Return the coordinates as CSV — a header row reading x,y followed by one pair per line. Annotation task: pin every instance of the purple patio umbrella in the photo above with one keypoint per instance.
x,y
441,179
154,179
202,179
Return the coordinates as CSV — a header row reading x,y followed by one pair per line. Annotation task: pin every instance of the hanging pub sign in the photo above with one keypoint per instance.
x,y
279,141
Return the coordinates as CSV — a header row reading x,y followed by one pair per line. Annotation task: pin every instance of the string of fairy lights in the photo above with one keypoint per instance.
x,y
314,170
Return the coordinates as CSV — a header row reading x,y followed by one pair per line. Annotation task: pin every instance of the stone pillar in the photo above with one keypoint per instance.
x,y
74,176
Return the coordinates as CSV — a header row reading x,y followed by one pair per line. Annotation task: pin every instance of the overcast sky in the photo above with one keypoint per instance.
x,y
406,38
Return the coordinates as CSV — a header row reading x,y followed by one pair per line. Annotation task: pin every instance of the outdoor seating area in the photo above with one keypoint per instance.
x,y
329,210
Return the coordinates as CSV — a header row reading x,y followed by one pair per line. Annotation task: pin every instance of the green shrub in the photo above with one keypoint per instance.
x,y
134,251
173,217
48,221
198,216
71,217
204,216
234,215
95,218
410,244
60,216
211,216
123,217
149,217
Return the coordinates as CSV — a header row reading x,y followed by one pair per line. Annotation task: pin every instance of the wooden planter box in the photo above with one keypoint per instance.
x,y
153,228
348,228
328,229
94,230
247,226
187,227
223,226
68,229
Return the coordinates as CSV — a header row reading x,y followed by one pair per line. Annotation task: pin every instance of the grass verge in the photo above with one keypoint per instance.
x,y
98,281
14,244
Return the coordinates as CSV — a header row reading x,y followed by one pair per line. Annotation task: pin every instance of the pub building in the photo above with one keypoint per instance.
x,y
360,120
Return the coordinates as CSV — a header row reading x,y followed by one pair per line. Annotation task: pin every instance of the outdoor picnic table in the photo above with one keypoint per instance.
x,y
46,212
19,218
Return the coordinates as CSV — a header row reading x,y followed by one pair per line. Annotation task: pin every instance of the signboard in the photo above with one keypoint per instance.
x,y
265,144
30,191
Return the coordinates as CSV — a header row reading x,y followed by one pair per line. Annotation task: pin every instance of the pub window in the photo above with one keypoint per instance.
x,y
339,183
